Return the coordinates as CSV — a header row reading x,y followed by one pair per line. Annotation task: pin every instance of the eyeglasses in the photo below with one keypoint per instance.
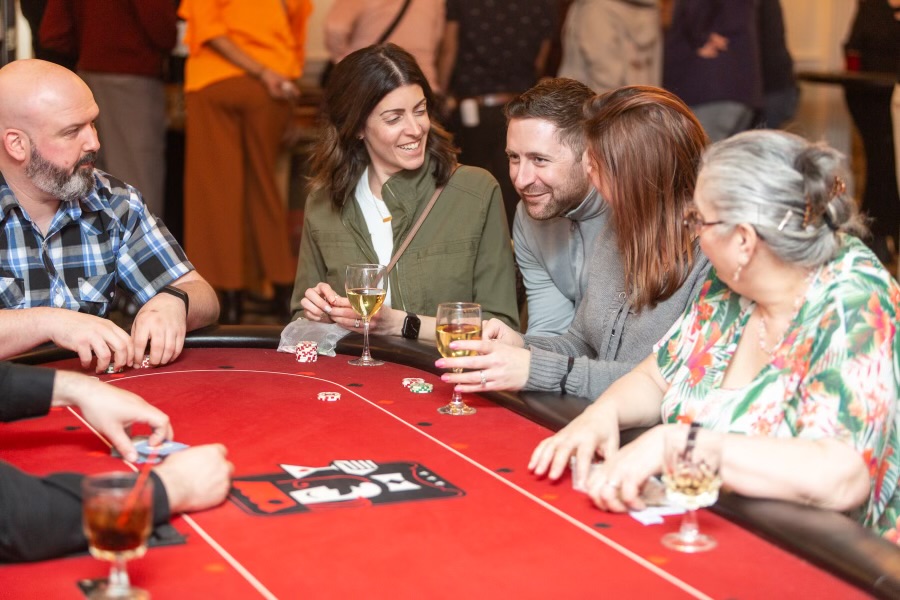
x,y
694,221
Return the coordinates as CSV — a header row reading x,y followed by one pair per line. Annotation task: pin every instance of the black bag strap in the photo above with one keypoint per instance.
x,y
387,32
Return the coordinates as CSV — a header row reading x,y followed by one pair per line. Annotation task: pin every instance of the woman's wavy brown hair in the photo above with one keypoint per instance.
x,y
646,144
357,84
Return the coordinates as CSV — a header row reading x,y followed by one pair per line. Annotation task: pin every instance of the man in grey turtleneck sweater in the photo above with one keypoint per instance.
x,y
561,215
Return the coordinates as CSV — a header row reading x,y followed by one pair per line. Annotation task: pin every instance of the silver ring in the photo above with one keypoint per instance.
x,y
613,483
357,324
483,379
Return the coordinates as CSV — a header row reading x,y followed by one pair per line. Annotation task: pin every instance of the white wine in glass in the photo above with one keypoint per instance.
x,y
457,321
692,481
118,516
366,286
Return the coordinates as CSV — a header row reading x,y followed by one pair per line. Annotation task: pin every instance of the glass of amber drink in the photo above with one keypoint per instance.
x,y
457,321
118,517
692,480
366,287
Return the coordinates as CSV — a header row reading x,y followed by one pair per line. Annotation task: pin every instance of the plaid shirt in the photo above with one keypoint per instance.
x,y
108,238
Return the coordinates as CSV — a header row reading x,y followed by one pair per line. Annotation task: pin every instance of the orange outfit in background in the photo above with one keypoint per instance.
x,y
235,218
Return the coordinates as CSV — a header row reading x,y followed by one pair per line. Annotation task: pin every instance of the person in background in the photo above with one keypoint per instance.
x,y
354,24
33,11
40,517
72,236
123,66
240,85
643,147
491,51
873,46
787,358
608,44
711,60
561,215
780,91
377,162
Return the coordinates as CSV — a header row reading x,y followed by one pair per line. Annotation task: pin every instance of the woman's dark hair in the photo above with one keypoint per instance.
x,y
356,86
646,144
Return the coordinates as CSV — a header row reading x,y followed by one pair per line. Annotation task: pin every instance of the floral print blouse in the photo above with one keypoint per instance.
x,y
835,374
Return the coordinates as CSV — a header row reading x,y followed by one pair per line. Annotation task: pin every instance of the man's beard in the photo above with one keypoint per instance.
x,y
58,182
562,200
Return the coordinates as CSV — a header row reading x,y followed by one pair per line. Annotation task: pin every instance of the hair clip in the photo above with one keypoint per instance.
x,y
838,188
807,214
785,219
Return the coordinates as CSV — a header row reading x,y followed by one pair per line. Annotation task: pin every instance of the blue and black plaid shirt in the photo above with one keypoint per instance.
x,y
106,239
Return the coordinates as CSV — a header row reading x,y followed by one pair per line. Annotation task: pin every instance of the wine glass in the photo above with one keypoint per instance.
x,y
366,287
457,321
691,477
118,514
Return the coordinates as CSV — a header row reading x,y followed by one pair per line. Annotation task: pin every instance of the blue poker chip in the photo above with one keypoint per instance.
x,y
166,448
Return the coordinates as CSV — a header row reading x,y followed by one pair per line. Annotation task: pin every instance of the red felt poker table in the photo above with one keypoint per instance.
x,y
430,506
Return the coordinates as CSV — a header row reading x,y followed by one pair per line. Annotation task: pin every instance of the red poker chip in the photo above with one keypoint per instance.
x,y
306,352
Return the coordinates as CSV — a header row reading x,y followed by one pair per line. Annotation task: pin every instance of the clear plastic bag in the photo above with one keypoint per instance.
x,y
325,335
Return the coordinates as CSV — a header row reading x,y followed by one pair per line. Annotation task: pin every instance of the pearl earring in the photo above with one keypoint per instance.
x,y
737,274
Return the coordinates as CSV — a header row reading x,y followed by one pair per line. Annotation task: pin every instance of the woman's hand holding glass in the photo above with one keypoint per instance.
x,y
501,362
616,485
322,304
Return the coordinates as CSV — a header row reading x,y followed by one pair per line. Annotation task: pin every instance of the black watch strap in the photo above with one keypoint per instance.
x,y
170,289
411,325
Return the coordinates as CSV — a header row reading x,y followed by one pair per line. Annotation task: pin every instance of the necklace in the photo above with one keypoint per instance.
x,y
384,219
798,301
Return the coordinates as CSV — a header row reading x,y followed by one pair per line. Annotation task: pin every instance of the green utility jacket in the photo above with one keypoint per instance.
x,y
462,252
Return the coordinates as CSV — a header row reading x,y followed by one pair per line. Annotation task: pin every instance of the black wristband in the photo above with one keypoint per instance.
x,y
562,382
174,291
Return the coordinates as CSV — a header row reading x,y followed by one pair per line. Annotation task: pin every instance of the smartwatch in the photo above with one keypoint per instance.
x,y
411,326
170,289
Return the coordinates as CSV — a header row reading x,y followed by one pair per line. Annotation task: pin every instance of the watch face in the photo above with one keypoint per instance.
x,y
411,327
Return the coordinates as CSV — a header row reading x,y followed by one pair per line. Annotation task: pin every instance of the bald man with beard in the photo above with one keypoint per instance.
x,y
72,237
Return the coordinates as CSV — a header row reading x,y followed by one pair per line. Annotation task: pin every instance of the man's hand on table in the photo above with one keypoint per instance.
x,y
110,410
197,478
89,337
162,322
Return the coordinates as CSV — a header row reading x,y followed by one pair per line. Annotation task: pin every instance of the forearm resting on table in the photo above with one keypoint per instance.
x,y
204,305
22,330
636,397
826,473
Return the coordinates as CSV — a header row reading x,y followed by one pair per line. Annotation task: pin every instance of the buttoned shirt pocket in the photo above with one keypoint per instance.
x,y
440,272
97,292
12,292
337,251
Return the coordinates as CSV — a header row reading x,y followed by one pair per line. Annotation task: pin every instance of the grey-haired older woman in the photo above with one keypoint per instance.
x,y
788,357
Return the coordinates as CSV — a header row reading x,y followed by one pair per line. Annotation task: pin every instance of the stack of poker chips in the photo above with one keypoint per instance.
x,y
306,352
417,385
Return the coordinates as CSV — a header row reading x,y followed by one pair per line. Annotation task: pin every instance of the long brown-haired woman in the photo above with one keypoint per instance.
x,y
378,161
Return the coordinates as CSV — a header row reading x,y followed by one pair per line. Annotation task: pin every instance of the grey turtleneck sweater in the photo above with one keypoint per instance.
x,y
552,255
